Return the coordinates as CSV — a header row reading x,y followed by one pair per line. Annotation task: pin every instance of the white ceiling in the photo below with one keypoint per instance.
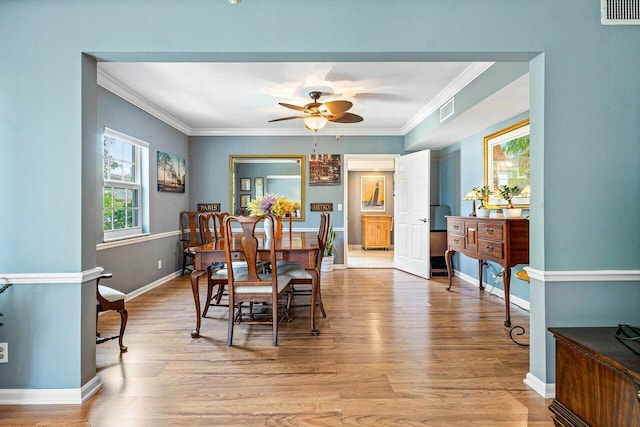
x,y
240,98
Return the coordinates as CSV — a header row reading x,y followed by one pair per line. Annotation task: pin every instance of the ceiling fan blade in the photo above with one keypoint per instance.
x,y
336,107
345,118
287,118
293,107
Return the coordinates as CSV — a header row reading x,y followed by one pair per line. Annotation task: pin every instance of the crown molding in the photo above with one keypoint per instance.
x,y
117,88
295,132
467,76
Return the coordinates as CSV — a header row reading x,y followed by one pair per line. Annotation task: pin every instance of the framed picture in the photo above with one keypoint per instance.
x,y
244,200
372,193
259,184
172,173
324,169
507,162
245,184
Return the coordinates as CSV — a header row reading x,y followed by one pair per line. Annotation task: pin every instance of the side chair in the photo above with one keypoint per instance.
x,y
110,299
300,276
188,236
247,285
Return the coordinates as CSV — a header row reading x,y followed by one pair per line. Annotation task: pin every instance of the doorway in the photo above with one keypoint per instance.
x,y
363,170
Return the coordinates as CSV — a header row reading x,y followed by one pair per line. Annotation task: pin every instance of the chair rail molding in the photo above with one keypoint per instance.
x,y
584,275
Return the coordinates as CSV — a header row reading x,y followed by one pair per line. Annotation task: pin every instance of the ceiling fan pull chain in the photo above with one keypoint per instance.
x,y
315,143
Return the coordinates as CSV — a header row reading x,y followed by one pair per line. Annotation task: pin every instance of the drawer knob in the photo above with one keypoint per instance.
x,y
456,240
489,230
457,227
490,248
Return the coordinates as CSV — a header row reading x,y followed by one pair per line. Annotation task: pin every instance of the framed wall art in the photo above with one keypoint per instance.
x,y
259,185
507,162
171,173
372,193
244,200
245,184
324,169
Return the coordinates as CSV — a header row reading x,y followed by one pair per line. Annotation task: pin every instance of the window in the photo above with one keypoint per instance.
x,y
125,173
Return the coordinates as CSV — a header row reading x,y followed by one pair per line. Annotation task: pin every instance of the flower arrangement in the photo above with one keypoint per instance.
x,y
272,204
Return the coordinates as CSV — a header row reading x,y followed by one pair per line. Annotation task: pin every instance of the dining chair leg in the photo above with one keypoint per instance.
x,y
124,315
208,299
324,314
231,322
274,319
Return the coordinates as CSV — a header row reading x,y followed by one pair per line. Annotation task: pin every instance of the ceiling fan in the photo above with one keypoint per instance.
x,y
317,114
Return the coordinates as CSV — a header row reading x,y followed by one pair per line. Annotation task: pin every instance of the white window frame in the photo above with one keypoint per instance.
x,y
141,154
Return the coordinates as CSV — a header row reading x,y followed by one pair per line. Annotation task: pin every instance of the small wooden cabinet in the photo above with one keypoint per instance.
x,y
597,379
376,231
503,241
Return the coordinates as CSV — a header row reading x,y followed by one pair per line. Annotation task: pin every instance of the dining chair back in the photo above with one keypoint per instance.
x,y
246,283
208,227
188,236
110,299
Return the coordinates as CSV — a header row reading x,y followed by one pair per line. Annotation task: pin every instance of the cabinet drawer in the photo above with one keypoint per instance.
x,y
455,226
489,230
455,241
490,248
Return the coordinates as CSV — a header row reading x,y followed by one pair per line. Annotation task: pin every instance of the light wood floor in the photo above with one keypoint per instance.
x,y
395,350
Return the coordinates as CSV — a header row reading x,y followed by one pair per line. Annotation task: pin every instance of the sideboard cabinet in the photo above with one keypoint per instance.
x,y
504,241
597,379
376,231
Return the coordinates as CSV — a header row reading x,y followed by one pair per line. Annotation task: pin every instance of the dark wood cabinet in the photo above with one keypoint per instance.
x,y
504,241
597,379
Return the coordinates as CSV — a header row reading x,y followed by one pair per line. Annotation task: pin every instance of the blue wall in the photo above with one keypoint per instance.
x,y
584,113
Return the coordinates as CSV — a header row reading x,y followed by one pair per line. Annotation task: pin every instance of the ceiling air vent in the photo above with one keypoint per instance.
x,y
620,12
446,110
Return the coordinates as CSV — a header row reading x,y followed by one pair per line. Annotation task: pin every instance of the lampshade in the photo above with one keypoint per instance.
x,y
472,195
315,122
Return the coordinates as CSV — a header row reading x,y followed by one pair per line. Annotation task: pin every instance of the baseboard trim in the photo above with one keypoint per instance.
x,y
548,391
524,304
59,396
152,285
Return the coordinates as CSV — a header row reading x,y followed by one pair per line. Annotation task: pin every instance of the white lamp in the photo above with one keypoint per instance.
x,y
315,123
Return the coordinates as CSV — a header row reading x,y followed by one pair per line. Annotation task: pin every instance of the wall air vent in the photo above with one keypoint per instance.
x,y
620,12
446,110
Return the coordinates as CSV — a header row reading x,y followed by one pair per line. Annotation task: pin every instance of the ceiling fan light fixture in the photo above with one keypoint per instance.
x,y
315,123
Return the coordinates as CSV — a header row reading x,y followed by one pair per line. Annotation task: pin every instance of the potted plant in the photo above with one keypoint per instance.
x,y
327,260
508,193
483,195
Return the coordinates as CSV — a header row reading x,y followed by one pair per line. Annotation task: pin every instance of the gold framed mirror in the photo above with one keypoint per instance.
x,y
255,175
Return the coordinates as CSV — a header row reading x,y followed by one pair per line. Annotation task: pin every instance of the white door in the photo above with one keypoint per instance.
x,y
412,214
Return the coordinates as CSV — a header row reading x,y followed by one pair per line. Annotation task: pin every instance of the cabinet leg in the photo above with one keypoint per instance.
x,y
448,258
480,264
506,279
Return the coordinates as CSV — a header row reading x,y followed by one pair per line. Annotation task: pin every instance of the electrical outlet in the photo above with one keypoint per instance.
x,y
159,264
4,352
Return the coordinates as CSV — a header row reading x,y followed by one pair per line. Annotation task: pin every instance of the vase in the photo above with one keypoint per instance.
x,y
482,212
277,227
512,213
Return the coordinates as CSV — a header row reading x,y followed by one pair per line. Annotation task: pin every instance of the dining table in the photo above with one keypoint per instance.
x,y
301,247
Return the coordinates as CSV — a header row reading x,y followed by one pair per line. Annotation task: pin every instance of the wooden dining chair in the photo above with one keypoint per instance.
x,y
248,285
188,236
300,276
110,299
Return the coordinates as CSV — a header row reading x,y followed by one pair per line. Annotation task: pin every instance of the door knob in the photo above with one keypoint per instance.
x,y
422,219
